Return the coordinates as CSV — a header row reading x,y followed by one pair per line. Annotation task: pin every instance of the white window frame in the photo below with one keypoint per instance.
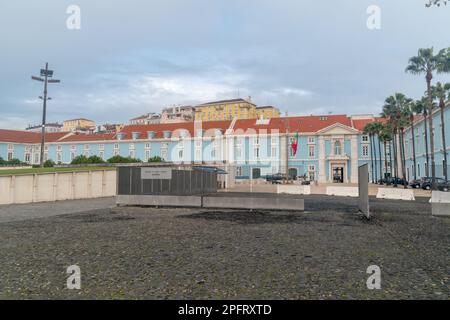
x,y
273,151
365,150
311,151
164,150
336,144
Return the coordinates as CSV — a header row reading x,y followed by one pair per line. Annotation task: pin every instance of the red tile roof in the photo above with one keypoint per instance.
x,y
359,124
89,137
302,124
161,127
18,136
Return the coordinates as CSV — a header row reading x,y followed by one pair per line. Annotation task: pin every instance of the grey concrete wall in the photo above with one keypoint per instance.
x,y
160,200
363,190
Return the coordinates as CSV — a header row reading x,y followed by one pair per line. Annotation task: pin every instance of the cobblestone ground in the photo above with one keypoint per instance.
x,y
148,253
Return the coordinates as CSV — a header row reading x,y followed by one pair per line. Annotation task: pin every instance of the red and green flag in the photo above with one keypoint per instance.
x,y
294,144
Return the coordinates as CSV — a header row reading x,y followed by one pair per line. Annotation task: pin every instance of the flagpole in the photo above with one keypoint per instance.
x,y
287,150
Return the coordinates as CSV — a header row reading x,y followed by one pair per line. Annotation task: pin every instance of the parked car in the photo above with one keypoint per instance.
x,y
439,182
275,178
415,183
443,185
398,181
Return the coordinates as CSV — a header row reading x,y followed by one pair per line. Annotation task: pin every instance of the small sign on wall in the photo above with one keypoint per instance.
x,y
156,173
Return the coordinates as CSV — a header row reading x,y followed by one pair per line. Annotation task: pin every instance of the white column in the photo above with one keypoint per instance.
x,y
322,175
354,159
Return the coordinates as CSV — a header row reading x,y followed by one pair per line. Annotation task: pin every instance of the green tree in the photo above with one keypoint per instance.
x,y
421,107
436,3
396,111
378,128
95,160
442,93
369,130
14,162
414,108
80,160
385,137
156,159
427,63
120,159
49,163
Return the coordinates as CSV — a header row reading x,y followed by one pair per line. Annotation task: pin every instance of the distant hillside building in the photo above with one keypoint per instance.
x,y
148,118
234,109
267,112
78,124
49,127
108,128
178,114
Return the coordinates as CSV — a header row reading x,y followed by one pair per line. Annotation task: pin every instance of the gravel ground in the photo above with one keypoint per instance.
x,y
148,253
27,211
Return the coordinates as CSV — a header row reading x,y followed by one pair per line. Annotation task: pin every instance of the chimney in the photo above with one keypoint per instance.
x,y
249,99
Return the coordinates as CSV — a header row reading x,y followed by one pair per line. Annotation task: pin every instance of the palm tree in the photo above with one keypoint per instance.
x,y
394,110
426,62
412,110
403,119
442,93
389,113
378,129
385,137
421,107
369,130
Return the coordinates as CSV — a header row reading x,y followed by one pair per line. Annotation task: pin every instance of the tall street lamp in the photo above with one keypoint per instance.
x,y
46,77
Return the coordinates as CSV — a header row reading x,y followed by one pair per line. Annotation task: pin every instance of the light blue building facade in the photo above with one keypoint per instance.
x,y
423,165
331,152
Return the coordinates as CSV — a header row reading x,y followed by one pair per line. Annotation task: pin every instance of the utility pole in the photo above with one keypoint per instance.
x,y
45,74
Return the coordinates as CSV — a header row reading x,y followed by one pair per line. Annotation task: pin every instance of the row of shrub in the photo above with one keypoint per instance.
x,y
12,162
82,160
115,159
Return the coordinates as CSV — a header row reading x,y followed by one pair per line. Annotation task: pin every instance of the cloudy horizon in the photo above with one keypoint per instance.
x,y
129,58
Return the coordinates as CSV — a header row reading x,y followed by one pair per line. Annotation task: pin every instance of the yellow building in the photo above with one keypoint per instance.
x,y
234,108
267,112
75,124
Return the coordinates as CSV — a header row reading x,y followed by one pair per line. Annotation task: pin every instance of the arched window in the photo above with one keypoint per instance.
x,y
337,148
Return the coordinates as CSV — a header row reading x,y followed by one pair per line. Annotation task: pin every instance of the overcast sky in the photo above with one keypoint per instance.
x,y
136,56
